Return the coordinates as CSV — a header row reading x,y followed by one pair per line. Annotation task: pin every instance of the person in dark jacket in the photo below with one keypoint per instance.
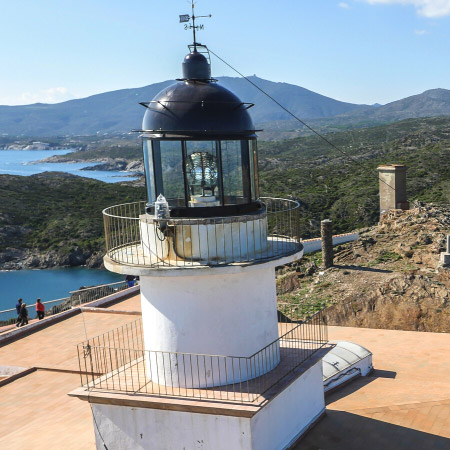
x,y
130,280
18,305
40,309
23,315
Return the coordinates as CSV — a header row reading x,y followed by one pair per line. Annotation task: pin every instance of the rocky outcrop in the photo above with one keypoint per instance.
x,y
16,259
401,302
109,164
389,278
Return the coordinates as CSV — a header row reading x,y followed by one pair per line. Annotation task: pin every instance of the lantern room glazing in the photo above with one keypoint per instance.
x,y
201,173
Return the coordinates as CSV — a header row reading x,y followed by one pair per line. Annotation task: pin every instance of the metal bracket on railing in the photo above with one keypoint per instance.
x,y
86,351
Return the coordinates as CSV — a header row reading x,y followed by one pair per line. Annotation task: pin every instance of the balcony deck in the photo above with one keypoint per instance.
x,y
133,379
137,241
132,256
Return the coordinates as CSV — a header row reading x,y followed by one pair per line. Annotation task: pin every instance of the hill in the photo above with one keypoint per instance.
x,y
55,219
435,102
344,186
432,103
118,111
389,278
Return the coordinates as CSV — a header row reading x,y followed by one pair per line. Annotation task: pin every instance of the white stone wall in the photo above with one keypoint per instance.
x,y
278,425
274,427
128,428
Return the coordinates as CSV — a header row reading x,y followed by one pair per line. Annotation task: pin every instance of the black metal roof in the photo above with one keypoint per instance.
x,y
198,108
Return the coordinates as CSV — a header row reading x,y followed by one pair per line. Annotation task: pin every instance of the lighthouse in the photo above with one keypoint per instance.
x,y
208,366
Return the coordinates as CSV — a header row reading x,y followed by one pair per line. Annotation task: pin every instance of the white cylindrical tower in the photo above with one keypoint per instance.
x,y
207,257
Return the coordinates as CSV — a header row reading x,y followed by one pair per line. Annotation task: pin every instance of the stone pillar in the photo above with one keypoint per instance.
x,y
326,231
392,187
445,256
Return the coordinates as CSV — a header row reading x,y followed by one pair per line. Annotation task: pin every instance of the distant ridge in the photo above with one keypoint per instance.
x,y
118,111
431,103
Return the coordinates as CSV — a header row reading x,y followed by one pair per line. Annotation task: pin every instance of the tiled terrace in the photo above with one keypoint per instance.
x,y
405,404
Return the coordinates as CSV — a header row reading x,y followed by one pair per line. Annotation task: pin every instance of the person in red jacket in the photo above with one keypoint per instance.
x,y
40,309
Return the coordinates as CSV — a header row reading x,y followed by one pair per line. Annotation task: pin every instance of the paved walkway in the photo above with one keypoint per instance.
x,y
404,405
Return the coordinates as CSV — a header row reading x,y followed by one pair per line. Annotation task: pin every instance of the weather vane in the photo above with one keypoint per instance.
x,y
186,18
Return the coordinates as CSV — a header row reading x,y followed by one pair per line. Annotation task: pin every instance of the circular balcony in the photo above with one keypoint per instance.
x,y
137,239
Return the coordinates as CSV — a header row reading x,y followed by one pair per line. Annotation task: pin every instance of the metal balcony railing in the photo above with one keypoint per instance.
x,y
118,361
77,298
135,238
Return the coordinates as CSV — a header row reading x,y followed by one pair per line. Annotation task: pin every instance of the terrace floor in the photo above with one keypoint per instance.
x,y
404,404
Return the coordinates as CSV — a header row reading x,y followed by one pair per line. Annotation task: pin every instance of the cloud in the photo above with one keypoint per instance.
x,y
420,32
51,95
344,5
426,8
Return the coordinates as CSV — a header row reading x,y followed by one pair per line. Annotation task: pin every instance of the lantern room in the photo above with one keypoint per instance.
x,y
199,146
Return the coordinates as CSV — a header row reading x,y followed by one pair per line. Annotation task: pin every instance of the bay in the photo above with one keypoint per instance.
x,y
48,284
18,162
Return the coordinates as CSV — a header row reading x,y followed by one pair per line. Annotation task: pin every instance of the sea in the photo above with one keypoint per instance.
x,y
20,162
49,284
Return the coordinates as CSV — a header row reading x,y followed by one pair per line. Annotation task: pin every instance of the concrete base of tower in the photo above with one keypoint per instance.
x,y
281,417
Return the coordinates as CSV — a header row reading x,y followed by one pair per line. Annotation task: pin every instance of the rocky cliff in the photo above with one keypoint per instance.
x,y
389,278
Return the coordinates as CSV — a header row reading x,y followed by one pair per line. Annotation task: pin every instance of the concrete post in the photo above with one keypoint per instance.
x,y
392,187
326,231
445,256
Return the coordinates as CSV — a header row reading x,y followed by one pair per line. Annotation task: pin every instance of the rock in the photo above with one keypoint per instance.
x,y
311,269
109,164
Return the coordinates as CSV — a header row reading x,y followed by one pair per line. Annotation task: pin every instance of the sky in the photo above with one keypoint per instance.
x,y
359,51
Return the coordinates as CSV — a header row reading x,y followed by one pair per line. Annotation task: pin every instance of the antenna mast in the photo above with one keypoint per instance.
x,y
186,18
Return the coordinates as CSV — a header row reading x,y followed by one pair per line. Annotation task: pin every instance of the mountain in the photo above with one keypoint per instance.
x,y
118,111
435,102
432,103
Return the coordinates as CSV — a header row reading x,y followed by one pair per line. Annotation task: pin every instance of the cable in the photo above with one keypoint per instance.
x,y
293,115
95,422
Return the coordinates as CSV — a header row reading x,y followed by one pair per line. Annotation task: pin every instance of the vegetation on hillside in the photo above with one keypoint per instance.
x,y
344,186
57,211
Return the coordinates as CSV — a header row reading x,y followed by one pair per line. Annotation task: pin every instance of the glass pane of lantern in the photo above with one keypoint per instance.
x,y
233,188
172,172
149,172
254,169
202,173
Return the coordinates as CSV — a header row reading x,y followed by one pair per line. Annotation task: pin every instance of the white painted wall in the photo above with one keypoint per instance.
x,y
224,239
275,427
127,428
278,425
229,314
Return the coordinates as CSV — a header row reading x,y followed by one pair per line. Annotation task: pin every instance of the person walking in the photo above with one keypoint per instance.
x,y
18,305
130,280
23,315
40,309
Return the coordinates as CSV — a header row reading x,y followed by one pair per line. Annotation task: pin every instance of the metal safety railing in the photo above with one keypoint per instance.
x,y
90,294
77,298
138,239
118,361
